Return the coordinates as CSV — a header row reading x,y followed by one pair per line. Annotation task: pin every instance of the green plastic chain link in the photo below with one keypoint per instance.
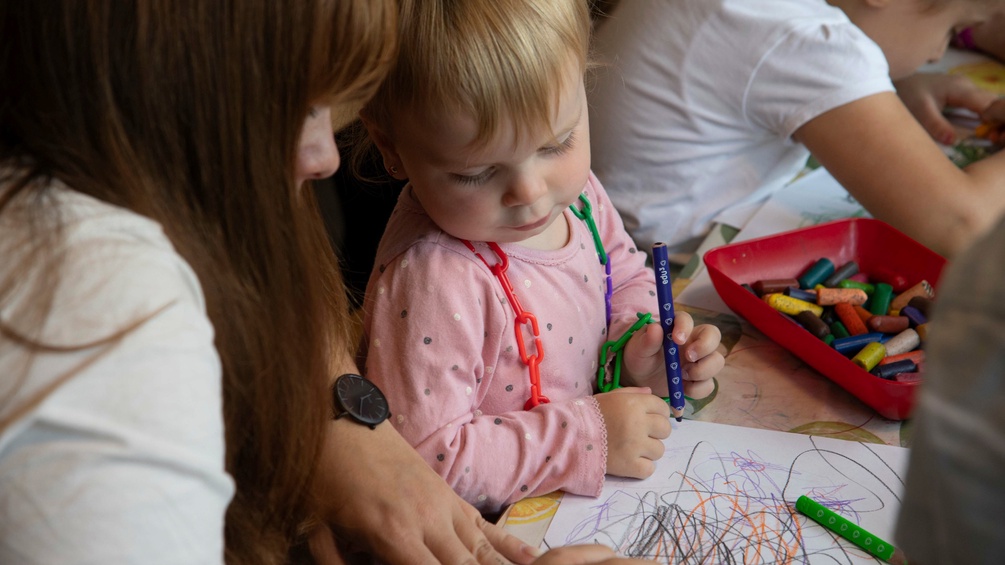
x,y
617,347
587,216
611,347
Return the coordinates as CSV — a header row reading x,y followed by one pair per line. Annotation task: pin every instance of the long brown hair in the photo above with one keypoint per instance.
x,y
189,112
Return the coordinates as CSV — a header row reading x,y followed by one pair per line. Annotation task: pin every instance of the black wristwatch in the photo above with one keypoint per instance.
x,y
360,399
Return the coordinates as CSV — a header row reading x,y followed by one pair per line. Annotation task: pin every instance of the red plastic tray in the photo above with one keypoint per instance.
x,y
875,245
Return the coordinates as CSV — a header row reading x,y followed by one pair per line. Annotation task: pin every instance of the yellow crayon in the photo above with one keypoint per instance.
x,y
792,306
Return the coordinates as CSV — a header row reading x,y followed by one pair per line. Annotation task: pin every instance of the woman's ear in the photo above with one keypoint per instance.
x,y
382,139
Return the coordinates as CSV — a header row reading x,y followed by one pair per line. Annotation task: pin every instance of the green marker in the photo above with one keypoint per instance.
x,y
850,531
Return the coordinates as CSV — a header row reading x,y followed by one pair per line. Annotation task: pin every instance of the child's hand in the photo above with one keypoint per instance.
x,y
699,355
926,95
995,112
637,423
993,127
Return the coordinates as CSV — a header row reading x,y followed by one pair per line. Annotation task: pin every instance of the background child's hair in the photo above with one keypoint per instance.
x,y
490,59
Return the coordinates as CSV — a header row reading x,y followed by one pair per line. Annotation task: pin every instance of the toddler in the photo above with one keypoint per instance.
x,y
504,268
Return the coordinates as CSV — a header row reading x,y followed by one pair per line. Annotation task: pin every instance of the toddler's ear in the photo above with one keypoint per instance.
x,y
382,139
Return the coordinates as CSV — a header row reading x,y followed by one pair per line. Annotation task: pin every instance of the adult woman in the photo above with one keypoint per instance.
x,y
159,261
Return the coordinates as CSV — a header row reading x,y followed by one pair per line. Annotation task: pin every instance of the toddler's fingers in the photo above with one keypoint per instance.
x,y
643,357
647,342
653,449
631,390
656,406
704,340
659,427
640,468
705,368
698,389
642,463
682,327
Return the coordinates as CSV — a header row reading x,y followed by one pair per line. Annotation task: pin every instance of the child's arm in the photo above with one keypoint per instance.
x,y
888,162
926,95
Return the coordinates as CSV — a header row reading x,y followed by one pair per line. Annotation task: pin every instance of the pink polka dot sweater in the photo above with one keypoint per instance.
x,y
440,342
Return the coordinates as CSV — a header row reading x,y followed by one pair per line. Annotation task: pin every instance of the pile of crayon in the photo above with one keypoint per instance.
x,y
880,320
992,131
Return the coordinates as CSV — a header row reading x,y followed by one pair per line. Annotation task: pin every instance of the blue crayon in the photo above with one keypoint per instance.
x,y
671,355
801,294
916,316
851,345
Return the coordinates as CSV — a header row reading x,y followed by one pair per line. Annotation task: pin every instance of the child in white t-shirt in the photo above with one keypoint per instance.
x,y
708,106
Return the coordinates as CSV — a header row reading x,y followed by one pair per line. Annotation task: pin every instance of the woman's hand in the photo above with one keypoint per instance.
x,y
584,554
380,496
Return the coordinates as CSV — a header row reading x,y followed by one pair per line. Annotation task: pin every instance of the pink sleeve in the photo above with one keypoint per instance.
x,y
435,325
634,283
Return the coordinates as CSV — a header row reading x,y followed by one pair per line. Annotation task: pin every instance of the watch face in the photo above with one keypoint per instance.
x,y
361,400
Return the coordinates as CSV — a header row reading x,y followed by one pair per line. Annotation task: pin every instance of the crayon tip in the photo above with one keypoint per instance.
x,y
678,413
680,418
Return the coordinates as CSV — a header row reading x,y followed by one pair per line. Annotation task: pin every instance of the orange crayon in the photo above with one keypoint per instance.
x,y
850,319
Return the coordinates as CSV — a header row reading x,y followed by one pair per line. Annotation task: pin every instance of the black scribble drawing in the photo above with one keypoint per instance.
x,y
730,500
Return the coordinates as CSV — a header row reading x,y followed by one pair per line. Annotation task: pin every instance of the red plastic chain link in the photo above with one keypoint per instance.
x,y
523,318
